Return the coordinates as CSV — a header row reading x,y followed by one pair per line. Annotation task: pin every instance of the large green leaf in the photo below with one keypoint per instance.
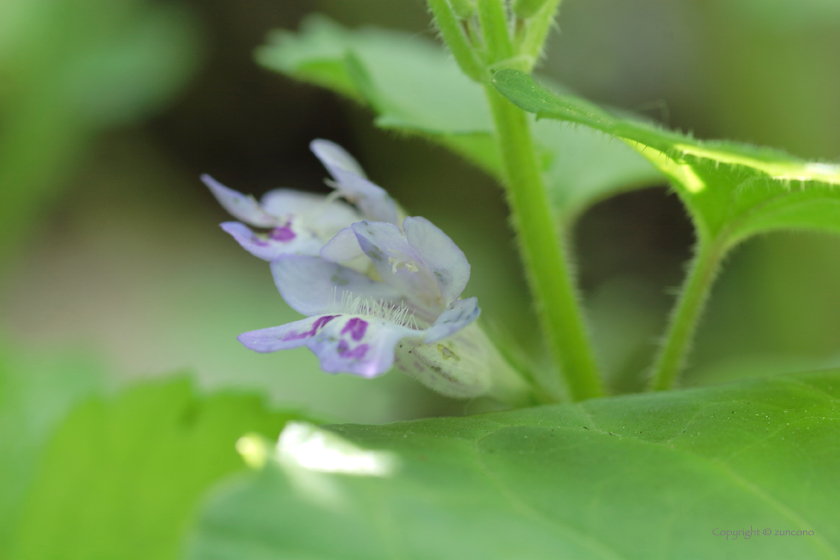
x,y
37,390
732,190
413,85
639,477
121,477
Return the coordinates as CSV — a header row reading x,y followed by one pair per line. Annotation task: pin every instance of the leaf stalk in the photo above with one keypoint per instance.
x,y
690,304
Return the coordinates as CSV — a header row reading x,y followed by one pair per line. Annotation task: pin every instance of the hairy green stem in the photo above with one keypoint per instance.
x,y
536,31
701,274
459,45
527,8
494,26
543,252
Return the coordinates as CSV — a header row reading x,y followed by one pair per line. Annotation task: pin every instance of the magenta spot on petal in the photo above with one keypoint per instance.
x,y
323,321
361,350
356,327
283,234
356,353
316,326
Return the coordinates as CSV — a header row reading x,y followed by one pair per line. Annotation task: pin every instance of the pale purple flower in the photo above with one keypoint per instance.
x,y
301,223
410,315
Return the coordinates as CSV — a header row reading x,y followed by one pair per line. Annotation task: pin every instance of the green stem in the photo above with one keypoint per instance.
x,y
703,269
494,26
527,8
459,44
536,32
544,254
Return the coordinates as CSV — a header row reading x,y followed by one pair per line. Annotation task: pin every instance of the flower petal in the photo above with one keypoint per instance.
x,y
343,247
441,256
343,343
241,207
458,315
279,241
323,216
372,200
399,266
334,157
351,181
282,202
311,285
284,337
343,350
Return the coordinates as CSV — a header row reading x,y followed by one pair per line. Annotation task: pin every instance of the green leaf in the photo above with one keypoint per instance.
x,y
36,392
122,477
412,85
638,477
732,190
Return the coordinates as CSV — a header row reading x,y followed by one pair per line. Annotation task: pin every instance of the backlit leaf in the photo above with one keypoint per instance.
x,y
732,190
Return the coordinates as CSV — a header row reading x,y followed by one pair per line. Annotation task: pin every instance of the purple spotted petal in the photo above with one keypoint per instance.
x,y
442,257
279,241
458,315
343,343
335,157
318,212
399,266
343,247
312,286
241,207
284,337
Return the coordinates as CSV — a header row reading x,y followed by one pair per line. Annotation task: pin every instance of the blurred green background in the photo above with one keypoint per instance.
x,y
110,109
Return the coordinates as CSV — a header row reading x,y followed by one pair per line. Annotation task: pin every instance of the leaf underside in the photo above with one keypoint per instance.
x,y
413,86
